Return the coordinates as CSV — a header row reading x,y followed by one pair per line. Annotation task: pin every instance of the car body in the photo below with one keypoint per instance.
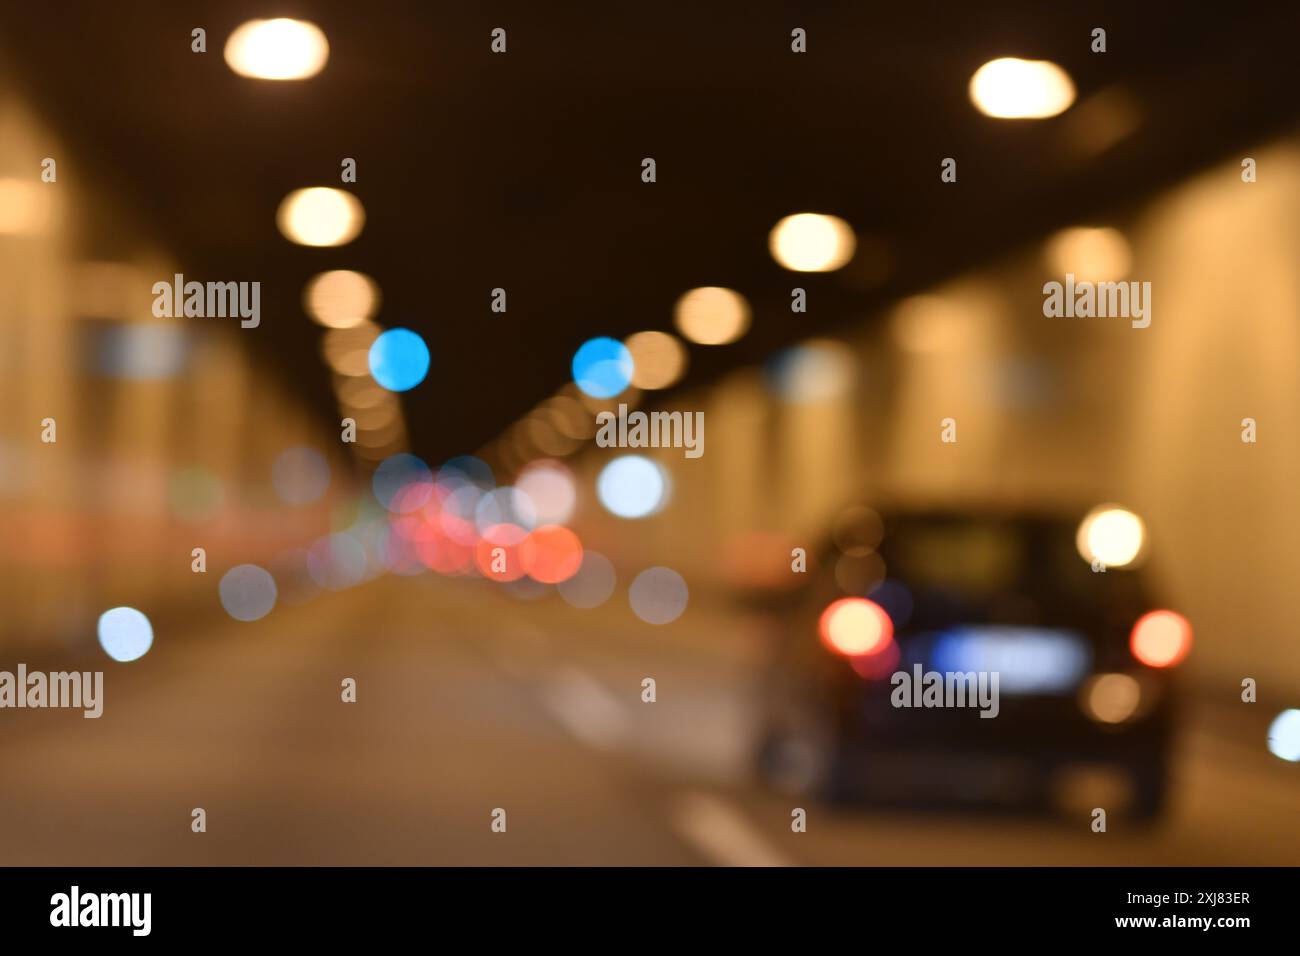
x,y
1009,599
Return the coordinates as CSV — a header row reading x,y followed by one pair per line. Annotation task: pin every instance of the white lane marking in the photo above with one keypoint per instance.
x,y
719,831
584,707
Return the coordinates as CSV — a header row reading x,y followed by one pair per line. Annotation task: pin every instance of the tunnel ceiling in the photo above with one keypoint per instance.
x,y
522,171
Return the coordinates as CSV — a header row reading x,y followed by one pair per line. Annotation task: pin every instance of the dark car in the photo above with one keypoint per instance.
x,y
973,658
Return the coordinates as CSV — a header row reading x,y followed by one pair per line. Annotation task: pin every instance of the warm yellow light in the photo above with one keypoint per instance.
x,y
1098,254
1111,535
320,216
280,49
924,324
712,315
811,242
341,298
360,391
24,207
1111,698
658,359
347,351
1011,88
569,416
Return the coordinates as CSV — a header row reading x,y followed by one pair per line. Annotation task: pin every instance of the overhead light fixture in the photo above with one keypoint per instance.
x,y
1011,88
279,49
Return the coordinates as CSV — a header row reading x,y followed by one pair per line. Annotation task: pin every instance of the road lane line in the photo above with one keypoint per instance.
x,y
584,707
719,831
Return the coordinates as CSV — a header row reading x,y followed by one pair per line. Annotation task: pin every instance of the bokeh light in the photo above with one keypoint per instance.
x,y
300,476
341,298
551,554
347,351
25,208
278,49
658,595
1284,735
458,511
927,324
812,242
550,487
399,360
602,367
497,553
712,315
815,371
320,216
1112,535
247,592
592,584
658,359
1012,88
464,468
854,626
337,561
857,530
857,574
632,486
506,505
1161,639
402,483
1111,698
125,634
1091,254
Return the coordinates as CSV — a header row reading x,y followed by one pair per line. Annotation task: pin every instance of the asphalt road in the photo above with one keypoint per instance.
x,y
469,701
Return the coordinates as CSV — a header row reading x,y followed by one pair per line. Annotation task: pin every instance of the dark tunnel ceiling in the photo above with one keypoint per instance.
x,y
522,171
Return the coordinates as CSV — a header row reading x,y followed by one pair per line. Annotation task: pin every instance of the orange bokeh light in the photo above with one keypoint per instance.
x,y
497,552
551,554
1161,639
856,627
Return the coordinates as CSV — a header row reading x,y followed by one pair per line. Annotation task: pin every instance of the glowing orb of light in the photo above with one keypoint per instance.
x,y
632,486
603,367
248,592
658,595
125,634
399,360
320,216
1284,735
278,49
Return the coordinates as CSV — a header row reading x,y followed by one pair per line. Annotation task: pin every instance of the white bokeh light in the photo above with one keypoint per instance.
x,y
125,634
632,486
248,592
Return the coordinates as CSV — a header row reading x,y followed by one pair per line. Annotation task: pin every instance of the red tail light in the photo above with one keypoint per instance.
x,y
856,627
1161,639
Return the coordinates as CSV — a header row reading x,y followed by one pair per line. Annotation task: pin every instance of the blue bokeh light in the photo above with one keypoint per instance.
x,y
399,360
602,367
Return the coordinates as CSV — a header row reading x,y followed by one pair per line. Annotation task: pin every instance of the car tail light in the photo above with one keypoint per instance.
x,y
1161,639
856,627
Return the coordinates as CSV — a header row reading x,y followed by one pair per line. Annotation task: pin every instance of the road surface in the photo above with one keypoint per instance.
x,y
469,701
